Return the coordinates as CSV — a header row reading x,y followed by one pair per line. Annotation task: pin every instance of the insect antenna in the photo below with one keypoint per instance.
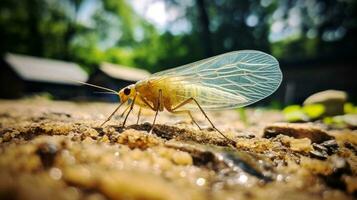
x,y
106,93
97,86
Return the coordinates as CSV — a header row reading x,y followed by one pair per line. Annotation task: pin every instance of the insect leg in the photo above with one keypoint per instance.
x,y
131,108
189,113
213,126
157,111
126,109
203,112
111,115
147,103
139,113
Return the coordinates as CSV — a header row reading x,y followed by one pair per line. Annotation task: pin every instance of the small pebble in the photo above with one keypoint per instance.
x,y
200,181
55,173
318,154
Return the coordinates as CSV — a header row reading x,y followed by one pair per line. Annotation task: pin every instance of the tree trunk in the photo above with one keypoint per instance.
x,y
205,32
71,30
35,40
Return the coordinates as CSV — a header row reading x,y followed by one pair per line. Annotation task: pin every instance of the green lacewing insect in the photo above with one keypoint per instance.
x,y
226,81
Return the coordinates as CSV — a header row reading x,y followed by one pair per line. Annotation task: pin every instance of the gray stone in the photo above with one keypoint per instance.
x,y
333,100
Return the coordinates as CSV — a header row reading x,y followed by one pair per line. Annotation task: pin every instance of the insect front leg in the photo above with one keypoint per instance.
x,y
139,113
126,109
131,108
111,115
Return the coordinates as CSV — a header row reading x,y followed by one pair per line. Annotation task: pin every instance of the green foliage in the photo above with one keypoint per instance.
x,y
336,122
294,113
127,17
295,48
243,116
275,105
116,33
349,108
314,111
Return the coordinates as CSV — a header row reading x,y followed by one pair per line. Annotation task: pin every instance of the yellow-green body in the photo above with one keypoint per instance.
x,y
174,91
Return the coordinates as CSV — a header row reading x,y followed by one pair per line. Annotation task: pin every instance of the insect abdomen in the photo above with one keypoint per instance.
x,y
175,91
207,97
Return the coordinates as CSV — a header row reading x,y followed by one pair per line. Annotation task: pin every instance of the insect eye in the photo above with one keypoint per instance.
x,y
126,91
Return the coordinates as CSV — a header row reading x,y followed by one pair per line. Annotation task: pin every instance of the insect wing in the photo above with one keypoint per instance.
x,y
230,80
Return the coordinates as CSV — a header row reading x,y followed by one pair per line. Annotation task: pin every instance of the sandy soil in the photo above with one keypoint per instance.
x,y
57,150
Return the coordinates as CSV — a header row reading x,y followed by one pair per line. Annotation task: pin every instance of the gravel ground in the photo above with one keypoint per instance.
x,y
57,150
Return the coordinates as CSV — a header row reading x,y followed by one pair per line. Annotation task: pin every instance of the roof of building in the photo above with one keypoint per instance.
x,y
46,70
124,73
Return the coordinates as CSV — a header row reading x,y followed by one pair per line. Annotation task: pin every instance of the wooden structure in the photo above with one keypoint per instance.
x,y
25,75
115,77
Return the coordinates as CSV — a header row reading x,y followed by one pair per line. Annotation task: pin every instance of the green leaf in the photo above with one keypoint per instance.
x,y
292,108
294,113
314,111
328,120
349,108
243,115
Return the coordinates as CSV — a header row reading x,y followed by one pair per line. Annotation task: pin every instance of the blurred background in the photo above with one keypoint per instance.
x,y
117,42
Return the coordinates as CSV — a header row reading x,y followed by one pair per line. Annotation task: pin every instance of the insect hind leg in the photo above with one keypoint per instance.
x,y
189,114
157,110
203,112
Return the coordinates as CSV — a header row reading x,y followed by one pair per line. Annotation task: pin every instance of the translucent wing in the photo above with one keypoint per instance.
x,y
230,80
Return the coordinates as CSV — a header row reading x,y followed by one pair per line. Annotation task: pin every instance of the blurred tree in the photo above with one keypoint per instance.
x,y
239,25
114,32
72,27
39,27
291,30
205,31
228,25
36,42
314,29
52,29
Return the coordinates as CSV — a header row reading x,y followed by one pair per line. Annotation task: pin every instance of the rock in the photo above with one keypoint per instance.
x,y
315,134
47,153
299,145
330,143
323,150
319,147
331,146
350,120
182,158
333,100
318,154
